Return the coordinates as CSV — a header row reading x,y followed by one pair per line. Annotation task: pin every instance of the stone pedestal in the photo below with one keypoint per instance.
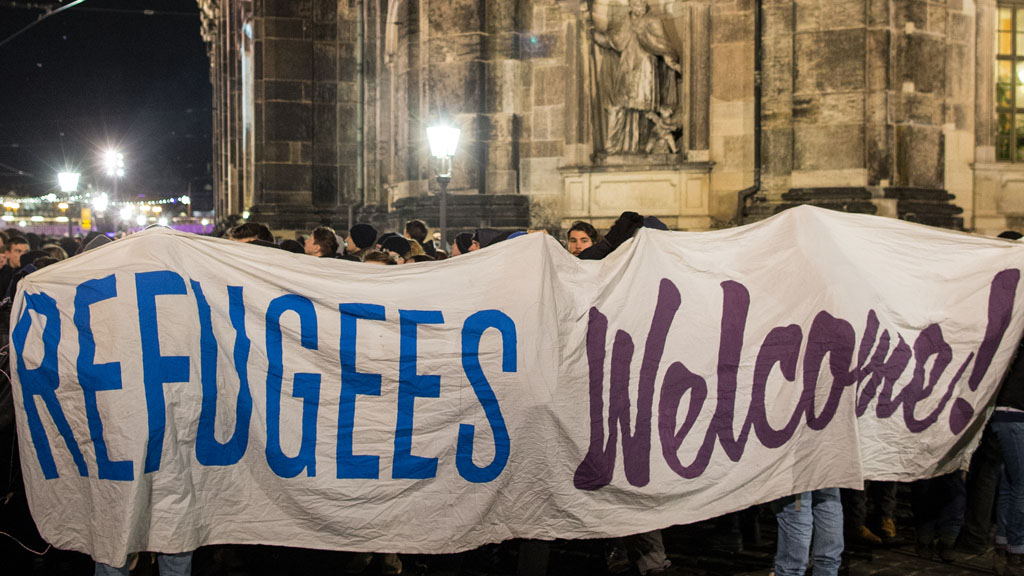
x,y
676,192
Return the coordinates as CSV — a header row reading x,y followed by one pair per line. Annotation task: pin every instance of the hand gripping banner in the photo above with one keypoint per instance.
x,y
174,391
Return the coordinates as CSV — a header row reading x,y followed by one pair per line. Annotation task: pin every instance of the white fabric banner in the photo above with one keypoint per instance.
x,y
175,390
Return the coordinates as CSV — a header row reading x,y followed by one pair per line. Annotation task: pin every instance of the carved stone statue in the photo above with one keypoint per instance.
x,y
637,79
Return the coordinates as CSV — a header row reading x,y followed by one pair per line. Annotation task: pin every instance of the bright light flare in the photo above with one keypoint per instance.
x,y
127,212
140,220
100,203
68,181
162,221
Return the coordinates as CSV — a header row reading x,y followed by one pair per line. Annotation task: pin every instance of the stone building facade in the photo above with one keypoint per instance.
x,y
705,113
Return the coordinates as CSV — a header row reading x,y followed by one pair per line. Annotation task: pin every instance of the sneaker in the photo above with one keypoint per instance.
x,y
888,529
864,534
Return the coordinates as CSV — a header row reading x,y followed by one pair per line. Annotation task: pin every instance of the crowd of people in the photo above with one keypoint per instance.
x,y
953,515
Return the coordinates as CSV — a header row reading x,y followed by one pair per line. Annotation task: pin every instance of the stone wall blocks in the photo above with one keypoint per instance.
x,y
734,27
925,62
288,121
841,14
829,109
830,61
324,10
287,8
282,28
844,143
936,19
454,16
325,31
808,16
281,90
287,59
287,177
961,28
325,61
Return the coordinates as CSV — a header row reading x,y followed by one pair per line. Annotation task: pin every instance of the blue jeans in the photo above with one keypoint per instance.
x,y
170,565
818,513
1010,511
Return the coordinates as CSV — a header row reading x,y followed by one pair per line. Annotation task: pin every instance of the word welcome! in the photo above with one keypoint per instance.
x,y
43,381
874,373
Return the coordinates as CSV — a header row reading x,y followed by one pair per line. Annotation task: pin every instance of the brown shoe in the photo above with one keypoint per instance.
x,y
864,534
888,529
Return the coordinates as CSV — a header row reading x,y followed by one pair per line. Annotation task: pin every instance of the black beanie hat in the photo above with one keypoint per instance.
x,y
464,241
398,245
363,235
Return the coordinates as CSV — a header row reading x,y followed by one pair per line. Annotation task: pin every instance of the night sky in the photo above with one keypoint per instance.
x,y
105,74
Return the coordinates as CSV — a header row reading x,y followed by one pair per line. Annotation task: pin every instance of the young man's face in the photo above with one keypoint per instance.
x,y
311,247
578,242
14,254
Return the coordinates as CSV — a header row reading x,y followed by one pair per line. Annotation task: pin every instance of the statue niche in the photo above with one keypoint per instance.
x,y
637,83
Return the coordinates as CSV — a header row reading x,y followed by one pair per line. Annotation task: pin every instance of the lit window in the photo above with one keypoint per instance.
x,y
1010,82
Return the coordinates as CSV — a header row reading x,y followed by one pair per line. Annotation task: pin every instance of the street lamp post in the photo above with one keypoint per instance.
x,y
68,184
444,140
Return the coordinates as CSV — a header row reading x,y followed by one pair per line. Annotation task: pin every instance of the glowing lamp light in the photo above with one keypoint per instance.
x,y
186,200
7,218
62,218
51,197
162,221
204,222
140,220
100,203
144,207
36,218
127,212
444,140
157,209
68,182
22,223
11,205
245,215
63,205
113,163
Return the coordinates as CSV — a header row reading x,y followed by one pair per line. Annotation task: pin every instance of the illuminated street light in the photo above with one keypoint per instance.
x,y
68,181
140,220
113,163
444,141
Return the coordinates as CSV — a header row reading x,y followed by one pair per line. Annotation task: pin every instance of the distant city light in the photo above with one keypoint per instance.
x,y
62,218
22,223
127,212
68,181
162,221
140,220
100,203
11,205
157,209
51,197
186,200
36,218
7,217
204,222
63,205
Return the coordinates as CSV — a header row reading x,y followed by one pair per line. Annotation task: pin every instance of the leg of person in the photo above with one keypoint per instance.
x,y
885,499
794,541
951,510
1011,439
175,564
828,531
1003,504
857,509
925,516
649,551
108,570
982,487
390,563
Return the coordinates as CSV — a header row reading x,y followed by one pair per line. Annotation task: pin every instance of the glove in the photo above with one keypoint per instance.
x,y
624,228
